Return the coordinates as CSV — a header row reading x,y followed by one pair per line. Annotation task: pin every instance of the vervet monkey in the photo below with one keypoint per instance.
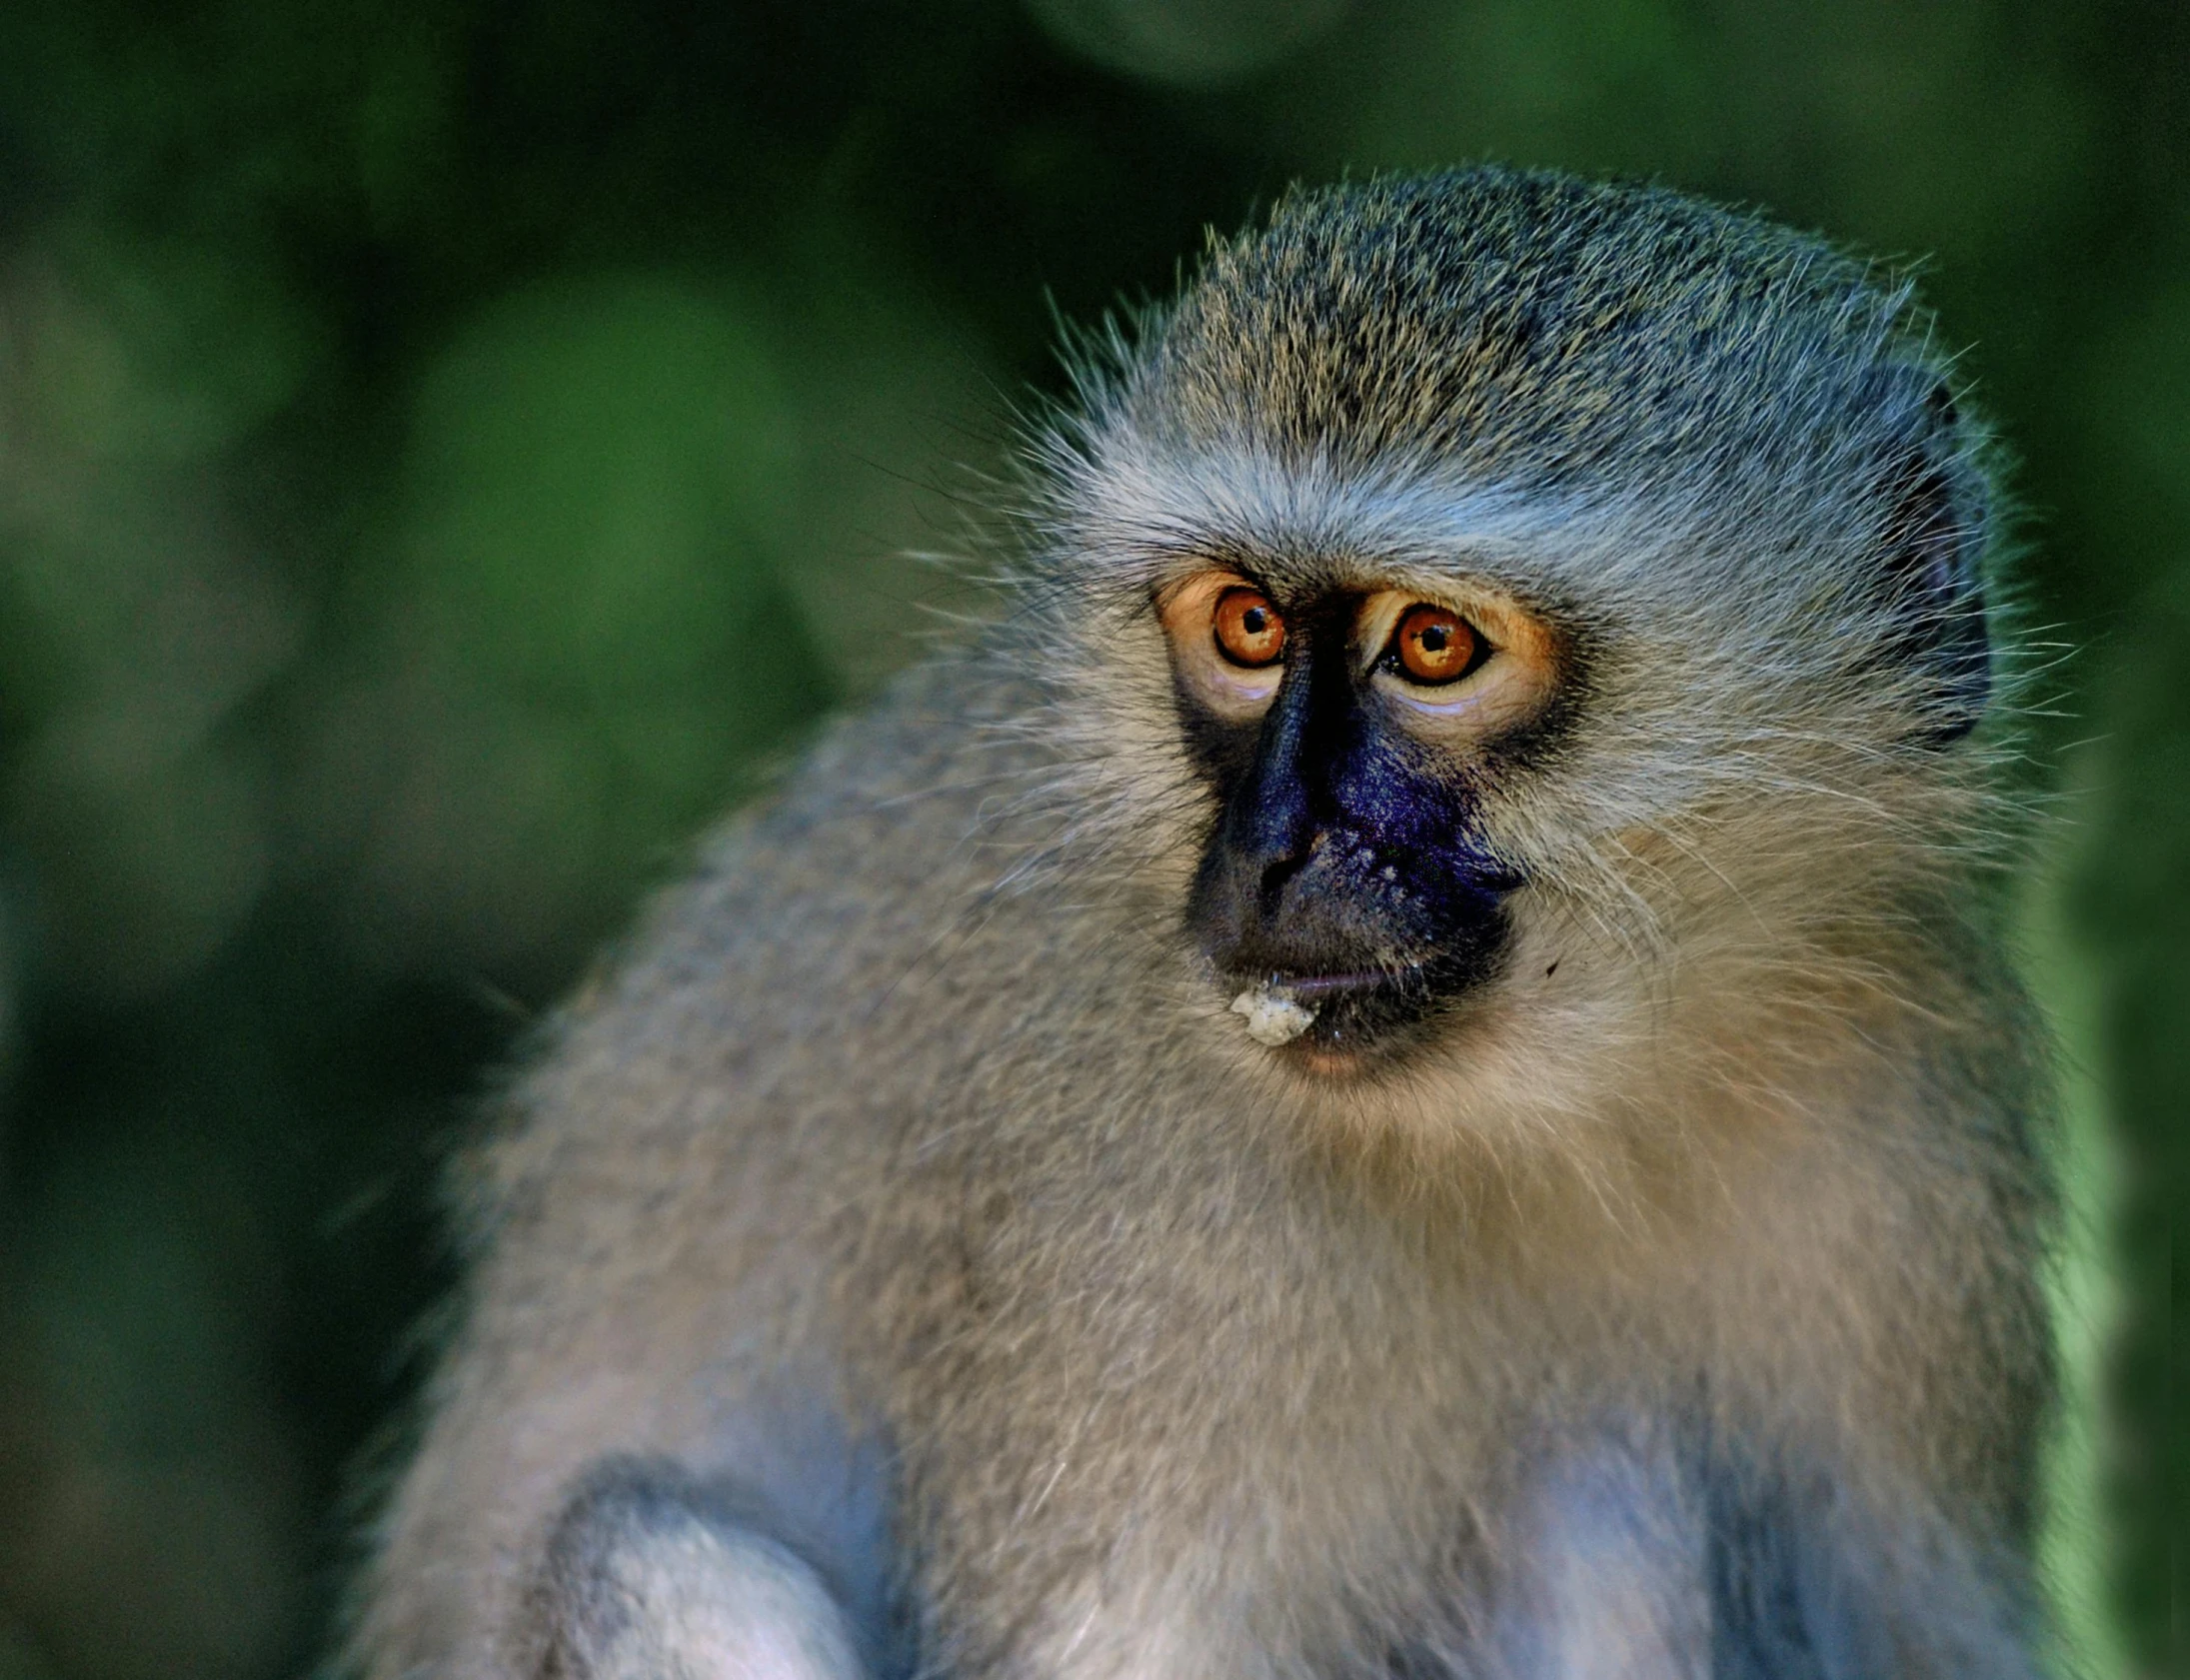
x,y
1404,1071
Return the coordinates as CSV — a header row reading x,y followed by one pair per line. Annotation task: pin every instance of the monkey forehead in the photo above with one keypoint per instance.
x,y
1524,324
1136,514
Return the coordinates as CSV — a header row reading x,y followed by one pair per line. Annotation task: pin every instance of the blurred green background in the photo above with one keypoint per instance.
x,y
449,450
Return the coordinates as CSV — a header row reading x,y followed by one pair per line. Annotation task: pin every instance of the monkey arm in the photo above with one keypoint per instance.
x,y
1864,1475
614,1542
650,1572
773,1563
1675,1548
1810,1578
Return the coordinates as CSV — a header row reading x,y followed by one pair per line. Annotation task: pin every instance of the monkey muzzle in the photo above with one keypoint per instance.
x,y
1342,956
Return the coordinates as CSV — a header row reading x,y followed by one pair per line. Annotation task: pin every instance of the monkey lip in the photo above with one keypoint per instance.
x,y
1337,1006
1351,1012
1310,988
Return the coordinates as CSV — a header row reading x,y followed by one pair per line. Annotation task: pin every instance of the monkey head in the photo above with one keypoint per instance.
x,y
1500,569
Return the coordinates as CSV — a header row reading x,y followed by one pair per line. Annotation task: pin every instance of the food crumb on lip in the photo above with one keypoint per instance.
x,y
1273,1018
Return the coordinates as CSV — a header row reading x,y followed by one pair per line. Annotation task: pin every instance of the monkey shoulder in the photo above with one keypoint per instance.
x,y
786,1014
706,1146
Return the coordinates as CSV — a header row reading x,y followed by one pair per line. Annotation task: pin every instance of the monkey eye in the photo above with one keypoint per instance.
x,y
1434,644
1246,627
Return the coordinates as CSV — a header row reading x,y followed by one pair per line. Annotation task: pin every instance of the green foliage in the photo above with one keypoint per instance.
x,y
449,451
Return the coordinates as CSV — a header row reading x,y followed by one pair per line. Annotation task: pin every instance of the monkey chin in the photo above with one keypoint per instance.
x,y
1319,1061
1360,1063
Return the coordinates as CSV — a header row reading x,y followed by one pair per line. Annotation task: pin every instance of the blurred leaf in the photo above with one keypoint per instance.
x,y
583,643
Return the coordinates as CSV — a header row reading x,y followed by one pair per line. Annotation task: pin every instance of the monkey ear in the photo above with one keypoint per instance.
x,y
1936,525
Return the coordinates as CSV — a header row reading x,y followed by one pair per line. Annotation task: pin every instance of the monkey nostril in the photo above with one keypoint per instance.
x,y
1273,884
1280,869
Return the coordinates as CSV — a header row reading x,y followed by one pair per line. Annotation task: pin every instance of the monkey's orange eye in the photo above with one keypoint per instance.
x,y
1435,644
1247,629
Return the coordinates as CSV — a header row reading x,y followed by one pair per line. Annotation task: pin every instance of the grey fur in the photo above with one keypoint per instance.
x,y
1672,1313
640,1581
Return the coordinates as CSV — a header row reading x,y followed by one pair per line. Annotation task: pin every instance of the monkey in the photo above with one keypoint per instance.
x,y
1405,1066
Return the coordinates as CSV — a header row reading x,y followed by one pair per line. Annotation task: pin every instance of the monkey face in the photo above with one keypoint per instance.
x,y
1534,623
1347,733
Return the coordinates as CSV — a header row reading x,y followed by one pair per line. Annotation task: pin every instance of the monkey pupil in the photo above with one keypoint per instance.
x,y
1435,638
1249,630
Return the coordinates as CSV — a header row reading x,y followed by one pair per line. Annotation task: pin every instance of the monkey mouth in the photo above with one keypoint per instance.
x,y
1316,987
1318,1012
